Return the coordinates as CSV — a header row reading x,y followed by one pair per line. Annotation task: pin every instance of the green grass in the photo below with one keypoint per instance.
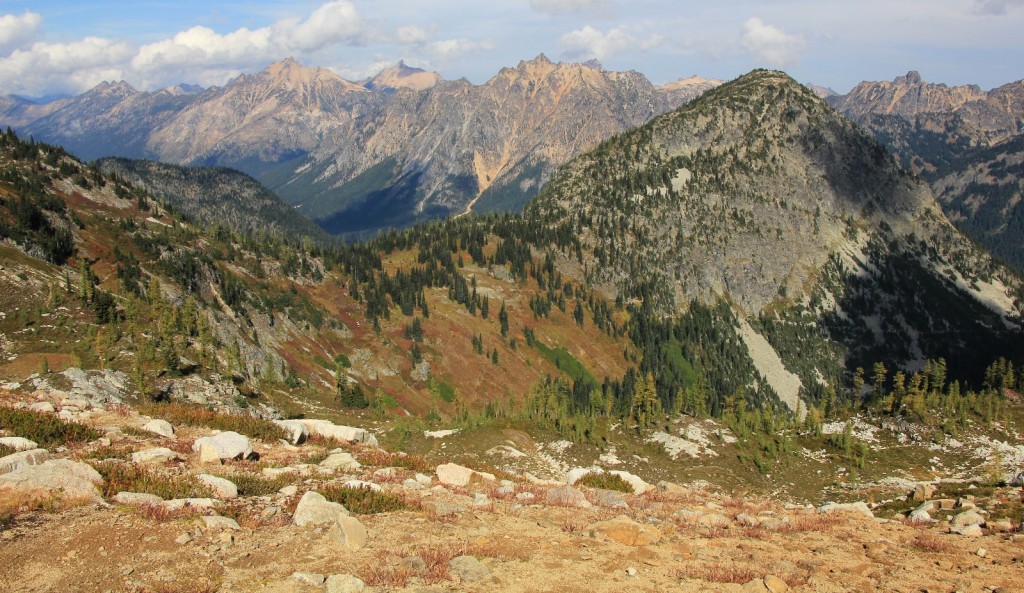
x,y
257,485
128,477
605,481
44,428
442,390
363,501
191,415
567,363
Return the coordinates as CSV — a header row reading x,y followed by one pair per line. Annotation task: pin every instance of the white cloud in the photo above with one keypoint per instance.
x,y
996,7
589,42
411,34
451,48
17,31
563,6
771,45
46,67
330,24
198,54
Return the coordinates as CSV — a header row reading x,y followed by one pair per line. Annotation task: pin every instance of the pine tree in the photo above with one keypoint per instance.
x,y
503,320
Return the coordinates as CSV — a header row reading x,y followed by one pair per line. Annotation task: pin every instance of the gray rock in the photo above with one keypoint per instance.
x,y
344,583
156,455
411,484
43,407
222,488
217,522
349,532
314,509
568,496
468,568
20,459
576,473
160,427
228,445
297,431
672,489
349,434
849,507
136,499
920,516
453,474
923,492
18,443
966,530
67,479
969,517
341,460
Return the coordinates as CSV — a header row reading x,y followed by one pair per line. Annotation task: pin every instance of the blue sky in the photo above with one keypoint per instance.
x,y
60,46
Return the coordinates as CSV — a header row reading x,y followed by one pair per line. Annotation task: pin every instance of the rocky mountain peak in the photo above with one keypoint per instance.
x,y
402,76
289,75
912,77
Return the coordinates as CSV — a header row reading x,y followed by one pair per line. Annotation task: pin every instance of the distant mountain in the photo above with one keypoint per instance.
x,y
760,196
215,196
401,76
458,145
401,147
960,139
687,89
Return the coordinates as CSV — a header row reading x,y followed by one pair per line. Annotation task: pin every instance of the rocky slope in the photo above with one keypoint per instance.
x,y
140,503
759,194
949,135
214,195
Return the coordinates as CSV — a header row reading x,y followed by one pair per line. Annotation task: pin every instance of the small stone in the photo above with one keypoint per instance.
x,y
453,474
156,455
775,585
411,484
43,407
222,488
672,489
217,522
183,539
631,571
341,460
344,583
468,568
966,530
309,578
569,497
289,490
423,479
981,552
136,499
920,516
160,427
178,504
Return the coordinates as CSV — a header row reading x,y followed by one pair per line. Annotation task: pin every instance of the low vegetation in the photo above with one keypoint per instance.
x,y
130,477
364,501
194,415
45,428
605,481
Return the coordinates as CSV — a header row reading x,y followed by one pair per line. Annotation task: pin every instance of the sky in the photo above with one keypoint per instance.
x,y
55,47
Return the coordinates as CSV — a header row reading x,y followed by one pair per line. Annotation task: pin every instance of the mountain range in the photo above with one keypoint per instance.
x,y
400,147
